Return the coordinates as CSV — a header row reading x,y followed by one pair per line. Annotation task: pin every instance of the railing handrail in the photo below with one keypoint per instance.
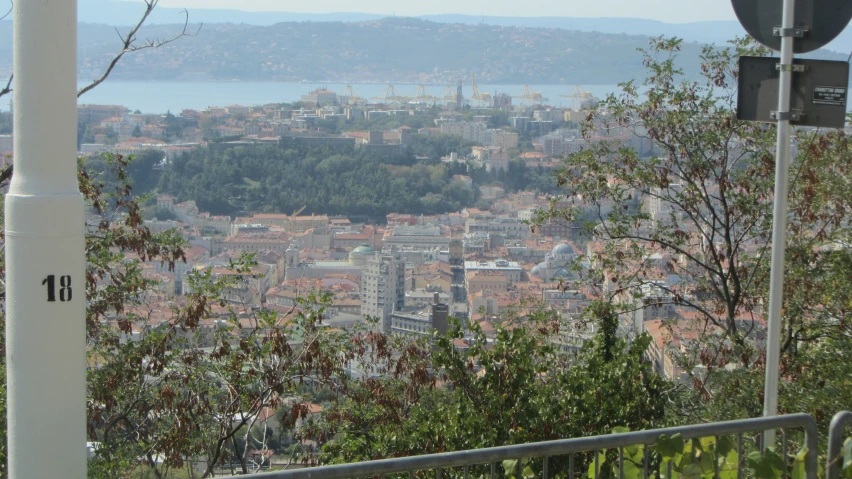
x,y
559,447
839,423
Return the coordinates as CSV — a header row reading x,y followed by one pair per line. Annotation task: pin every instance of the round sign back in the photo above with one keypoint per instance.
x,y
823,19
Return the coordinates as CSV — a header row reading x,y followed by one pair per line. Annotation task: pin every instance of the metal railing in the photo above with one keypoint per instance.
x,y
834,460
572,447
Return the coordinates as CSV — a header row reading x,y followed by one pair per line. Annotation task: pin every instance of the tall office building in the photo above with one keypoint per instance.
x,y
383,288
457,268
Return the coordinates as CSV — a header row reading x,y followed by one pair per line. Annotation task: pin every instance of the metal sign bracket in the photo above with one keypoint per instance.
x,y
795,32
792,115
796,68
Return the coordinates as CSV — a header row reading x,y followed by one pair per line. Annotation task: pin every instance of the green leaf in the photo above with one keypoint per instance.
x,y
670,446
601,461
528,472
706,459
754,461
724,445
664,469
692,471
768,465
632,471
775,461
798,471
802,455
635,453
847,453
510,467
708,443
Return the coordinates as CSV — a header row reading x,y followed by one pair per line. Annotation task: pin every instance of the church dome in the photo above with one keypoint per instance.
x,y
539,270
562,250
363,249
561,273
359,255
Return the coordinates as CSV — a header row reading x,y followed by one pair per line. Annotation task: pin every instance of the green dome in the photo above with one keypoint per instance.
x,y
360,255
363,249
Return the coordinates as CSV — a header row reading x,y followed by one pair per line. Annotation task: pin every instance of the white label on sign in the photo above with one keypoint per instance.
x,y
830,95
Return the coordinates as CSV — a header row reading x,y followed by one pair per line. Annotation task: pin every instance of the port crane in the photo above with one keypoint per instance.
x,y
530,97
482,98
449,95
423,96
454,97
579,96
391,96
352,98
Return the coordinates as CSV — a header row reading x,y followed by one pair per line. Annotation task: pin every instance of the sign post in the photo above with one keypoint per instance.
x,y
805,25
45,251
779,220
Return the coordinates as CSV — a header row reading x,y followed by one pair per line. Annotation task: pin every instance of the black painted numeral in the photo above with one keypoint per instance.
x,y
64,290
50,281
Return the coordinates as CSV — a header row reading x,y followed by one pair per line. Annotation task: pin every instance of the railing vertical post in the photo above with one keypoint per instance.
x,y
812,458
45,251
835,442
716,459
739,454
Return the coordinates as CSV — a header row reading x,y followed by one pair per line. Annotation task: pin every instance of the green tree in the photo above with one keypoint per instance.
x,y
248,179
707,214
190,386
521,387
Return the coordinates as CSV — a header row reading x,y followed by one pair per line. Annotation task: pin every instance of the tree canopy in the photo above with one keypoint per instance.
x,y
701,237
249,179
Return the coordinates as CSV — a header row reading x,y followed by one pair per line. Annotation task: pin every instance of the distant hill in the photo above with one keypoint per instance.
x,y
396,50
401,50
118,12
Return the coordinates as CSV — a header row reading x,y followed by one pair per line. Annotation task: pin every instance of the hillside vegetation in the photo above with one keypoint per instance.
x,y
389,50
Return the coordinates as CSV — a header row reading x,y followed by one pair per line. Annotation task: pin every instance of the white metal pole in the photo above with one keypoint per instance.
x,y
779,223
45,251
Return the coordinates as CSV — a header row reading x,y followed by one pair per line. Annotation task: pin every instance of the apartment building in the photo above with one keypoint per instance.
x,y
383,288
473,131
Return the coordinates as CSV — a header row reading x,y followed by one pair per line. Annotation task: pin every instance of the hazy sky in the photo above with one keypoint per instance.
x,y
665,10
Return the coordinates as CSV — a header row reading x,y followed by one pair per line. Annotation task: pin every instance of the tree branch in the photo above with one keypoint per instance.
x,y
130,46
8,88
11,7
